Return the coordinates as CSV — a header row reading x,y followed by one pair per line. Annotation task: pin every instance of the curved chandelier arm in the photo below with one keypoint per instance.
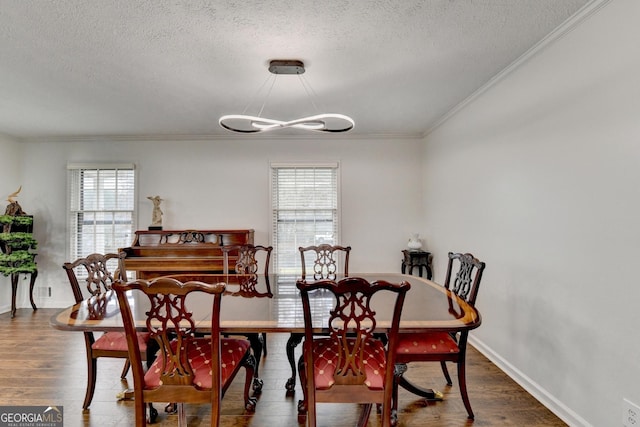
x,y
315,123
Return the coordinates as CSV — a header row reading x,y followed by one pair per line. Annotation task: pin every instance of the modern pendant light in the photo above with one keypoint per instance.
x,y
321,122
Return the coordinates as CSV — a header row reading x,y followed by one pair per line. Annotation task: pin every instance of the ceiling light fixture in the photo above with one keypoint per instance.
x,y
321,122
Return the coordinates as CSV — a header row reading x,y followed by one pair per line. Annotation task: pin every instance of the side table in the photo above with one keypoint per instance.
x,y
420,259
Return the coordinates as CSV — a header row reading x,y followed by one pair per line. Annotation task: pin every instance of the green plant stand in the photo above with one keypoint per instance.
x,y
17,258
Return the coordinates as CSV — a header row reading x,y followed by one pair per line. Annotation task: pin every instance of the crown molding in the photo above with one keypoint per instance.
x,y
565,28
216,137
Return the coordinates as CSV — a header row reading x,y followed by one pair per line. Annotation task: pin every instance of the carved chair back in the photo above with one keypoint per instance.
x,y
466,272
326,260
247,258
101,272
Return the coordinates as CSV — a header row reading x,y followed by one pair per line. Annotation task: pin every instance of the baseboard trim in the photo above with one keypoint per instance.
x,y
536,390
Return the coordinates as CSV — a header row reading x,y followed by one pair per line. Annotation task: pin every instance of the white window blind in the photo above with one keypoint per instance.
x,y
305,211
102,214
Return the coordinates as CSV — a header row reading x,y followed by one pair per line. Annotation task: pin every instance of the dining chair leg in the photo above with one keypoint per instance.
x,y
364,415
312,414
462,383
302,404
445,371
92,366
264,343
258,350
249,364
399,369
153,413
292,343
182,416
125,369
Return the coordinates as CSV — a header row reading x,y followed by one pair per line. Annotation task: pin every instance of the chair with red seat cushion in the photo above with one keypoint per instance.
x,y
442,346
326,262
246,260
99,271
350,364
189,368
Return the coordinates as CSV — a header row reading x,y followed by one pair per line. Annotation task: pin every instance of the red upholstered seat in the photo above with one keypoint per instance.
x,y
350,365
199,355
426,343
118,341
325,358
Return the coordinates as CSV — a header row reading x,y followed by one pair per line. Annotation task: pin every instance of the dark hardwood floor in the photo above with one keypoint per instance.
x,y
44,366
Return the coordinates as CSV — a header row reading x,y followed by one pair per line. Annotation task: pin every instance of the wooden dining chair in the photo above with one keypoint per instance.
x,y
350,364
464,273
99,272
246,259
325,261
188,368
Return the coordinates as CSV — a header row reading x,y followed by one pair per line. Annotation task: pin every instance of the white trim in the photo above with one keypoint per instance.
x,y
73,166
567,26
334,165
563,412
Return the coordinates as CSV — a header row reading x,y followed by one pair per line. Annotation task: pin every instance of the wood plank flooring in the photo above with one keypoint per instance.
x,y
43,366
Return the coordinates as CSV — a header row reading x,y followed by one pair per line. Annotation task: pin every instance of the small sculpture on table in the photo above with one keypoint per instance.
x,y
156,216
415,243
13,208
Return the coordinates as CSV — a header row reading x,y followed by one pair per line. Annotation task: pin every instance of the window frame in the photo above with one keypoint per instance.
x,y
75,195
291,254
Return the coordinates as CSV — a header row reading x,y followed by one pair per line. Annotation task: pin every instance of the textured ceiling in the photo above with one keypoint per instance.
x,y
144,69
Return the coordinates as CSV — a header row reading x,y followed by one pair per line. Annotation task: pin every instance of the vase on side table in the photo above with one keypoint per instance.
x,y
414,242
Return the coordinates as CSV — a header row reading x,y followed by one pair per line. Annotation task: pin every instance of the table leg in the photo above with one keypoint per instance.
x,y
427,393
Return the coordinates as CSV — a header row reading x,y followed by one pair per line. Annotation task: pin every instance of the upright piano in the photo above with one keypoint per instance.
x,y
156,253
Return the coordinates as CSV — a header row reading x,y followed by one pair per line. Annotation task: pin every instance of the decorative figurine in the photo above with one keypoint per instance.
x,y
156,217
14,208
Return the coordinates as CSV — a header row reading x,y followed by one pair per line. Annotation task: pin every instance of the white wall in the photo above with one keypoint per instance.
x,y
539,177
11,165
225,184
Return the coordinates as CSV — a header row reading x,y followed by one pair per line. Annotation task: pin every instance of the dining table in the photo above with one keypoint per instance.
x,y
272,303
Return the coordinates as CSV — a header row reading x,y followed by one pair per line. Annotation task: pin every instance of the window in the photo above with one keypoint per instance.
x,y
102,215
304,200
